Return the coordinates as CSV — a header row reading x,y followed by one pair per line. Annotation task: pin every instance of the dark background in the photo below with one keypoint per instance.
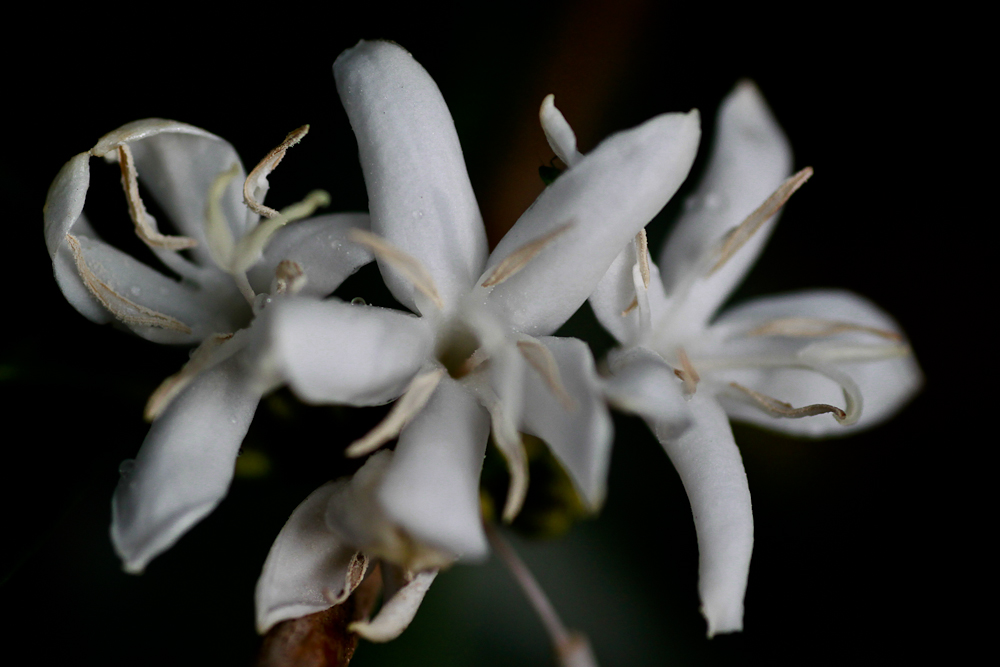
x,y
858,541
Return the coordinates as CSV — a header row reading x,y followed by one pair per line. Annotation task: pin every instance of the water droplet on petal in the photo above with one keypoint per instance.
x,y
135,290
418,214
126,467
260,302
358,301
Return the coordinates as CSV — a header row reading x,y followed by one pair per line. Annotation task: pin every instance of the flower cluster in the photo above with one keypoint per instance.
x,y
476,355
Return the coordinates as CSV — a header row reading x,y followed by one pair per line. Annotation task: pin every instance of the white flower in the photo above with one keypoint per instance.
x,y
780,362
480,354
186,463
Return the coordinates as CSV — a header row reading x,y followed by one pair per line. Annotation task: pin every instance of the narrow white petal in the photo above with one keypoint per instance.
x,y
184,467
750,158
579,435
321,247
308,567
887,380
432,486
333,352
643,384
608,196
711,469
397,612
419,193
561,138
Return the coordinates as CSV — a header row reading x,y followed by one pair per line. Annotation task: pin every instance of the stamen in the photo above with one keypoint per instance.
x,y
632,306
572,648
403,410
409,266
204,357
642,252
289,278
687,373
509,442
541,359
218,235
258,176
250,248
124,309
814,327
518,259
145,224
739,235
776,408
641,297
355,574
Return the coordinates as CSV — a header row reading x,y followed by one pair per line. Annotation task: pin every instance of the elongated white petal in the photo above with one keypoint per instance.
x,y
219,309
884,369
643,384
333,352
321,247
432,486
419,193
709,464
397,612
579,435
561,138
184,467
308,568
750,158
615,301
608,196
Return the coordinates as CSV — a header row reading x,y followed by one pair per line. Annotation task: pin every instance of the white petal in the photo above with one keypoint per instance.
x,y
333,352
397,612
709,464
607,197
178,163
419,193
320,246
579,435
615,294
561,138
886,384
432,486
184,467
643,384
750,158
308,566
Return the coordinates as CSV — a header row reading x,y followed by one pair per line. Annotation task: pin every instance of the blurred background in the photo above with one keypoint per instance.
x,y
856,539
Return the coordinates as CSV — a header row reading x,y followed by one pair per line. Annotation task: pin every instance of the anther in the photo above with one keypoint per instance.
x,y
406,264
518,259
258,177
813,327
145,224
688,375
776,408
204,357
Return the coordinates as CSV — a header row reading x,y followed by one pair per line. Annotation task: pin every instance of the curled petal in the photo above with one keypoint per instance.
x,y
309,568
184,467
750,158
579,434
432,486
397,612
419,193
561,138
709,464
608,196
333,352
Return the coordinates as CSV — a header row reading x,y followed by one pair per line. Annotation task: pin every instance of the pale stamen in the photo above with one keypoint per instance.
x,y
688,375
509,442
541,359
352,579
122,308
642,252
572,648
738,236
258,177
406,264
218,235
776,408
814,327
145,224
250,248
518,259
204,357
403,410
289,278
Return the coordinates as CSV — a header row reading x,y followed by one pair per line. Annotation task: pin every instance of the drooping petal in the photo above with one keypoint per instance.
x,y
419,193
579,434
321,247
606,198
397,612
643,384
333,352
750,158
185,465
882,365
178,163
615,301
308,568
711,469
432,486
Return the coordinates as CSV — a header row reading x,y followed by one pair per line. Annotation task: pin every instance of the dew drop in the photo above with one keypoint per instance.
x,y
260,302
126,467
418,214
358,301
135,290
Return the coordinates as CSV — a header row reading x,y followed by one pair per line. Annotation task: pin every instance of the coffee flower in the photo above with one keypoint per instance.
x,y
229,264
803,363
